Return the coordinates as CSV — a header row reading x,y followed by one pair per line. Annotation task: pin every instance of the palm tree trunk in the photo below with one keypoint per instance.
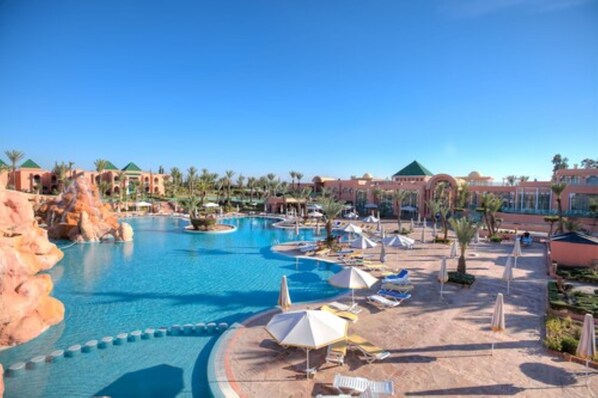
x,y
560,207
461,264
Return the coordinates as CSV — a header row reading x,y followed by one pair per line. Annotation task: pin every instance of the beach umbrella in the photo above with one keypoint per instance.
x,y
379,226
425,224
318,228
352,228
210,205
516,251
284,299
297,228
442,274
363,243
399,241
419,218
383,253
237,208
498,317
587,342
302,212
221,211
507,274
315,214
434,231
476,238
370,219
412,225
352,278
423,239
453,252
308,329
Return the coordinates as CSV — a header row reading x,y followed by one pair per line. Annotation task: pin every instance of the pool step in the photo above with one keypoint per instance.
x,y
187,329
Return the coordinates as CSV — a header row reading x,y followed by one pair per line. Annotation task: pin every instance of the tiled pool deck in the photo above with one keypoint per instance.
x,y
439,347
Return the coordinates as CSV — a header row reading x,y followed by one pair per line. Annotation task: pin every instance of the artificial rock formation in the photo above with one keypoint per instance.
x,y
26,308
79,215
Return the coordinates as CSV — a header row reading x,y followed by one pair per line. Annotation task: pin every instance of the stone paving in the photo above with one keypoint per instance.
x,y
439,347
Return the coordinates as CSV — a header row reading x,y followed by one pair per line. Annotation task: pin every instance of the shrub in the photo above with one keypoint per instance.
x,y
583,274
496,238
203,223
441,240
461,279
554,334
569,344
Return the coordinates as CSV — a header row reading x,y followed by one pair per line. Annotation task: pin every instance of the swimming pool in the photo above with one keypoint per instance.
x,y
164,277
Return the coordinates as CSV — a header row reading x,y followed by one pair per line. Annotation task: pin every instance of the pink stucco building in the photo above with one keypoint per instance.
x,y
30,177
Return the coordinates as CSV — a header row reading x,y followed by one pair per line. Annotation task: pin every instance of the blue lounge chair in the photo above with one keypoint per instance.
x,y
397,296
400,278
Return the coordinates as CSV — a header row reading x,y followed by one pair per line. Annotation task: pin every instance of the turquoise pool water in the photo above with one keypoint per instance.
x,y
164,277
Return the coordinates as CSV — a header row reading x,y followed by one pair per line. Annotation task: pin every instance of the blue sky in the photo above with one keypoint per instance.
x,y
333,88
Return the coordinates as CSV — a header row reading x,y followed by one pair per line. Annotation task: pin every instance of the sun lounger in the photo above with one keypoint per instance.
x,y
397,287
366,394
401,277
374,266
353,308
336,352
371,352
381,301
361,384
343,314
397,296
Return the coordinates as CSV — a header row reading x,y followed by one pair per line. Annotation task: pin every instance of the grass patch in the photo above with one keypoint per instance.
x,y
582,274
461,279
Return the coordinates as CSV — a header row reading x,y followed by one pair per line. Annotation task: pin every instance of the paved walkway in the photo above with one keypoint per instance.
x,y
439,347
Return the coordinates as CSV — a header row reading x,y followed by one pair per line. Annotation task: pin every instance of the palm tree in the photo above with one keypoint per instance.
x,y
15,157
399,196
191,177
60,170
331,209
438,206
299,176
551,220
293,174
122,181
251,181
464,231
558,189
489,206
100,165
228,180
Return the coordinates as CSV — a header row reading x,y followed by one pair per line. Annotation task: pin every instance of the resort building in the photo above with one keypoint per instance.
x,y
524,202
30,177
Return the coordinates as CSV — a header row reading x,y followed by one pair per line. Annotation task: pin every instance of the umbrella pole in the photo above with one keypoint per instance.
x,y
492,349
307,363
441,286
587,370
508,285
353,296
515,266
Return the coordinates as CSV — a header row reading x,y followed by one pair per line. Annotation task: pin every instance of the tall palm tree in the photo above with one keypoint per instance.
x,y
293,174
122,182
399,196
251,183
241,186
299,176
191,177
15,157
558,189
228,180
100,165
464,231
331,209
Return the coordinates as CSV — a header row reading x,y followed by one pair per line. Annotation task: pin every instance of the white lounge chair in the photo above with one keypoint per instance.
x,y
381,301
370,352
354,308
361,384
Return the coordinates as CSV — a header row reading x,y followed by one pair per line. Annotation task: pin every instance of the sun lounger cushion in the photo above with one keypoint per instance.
x,y
394,295
381,301
343,314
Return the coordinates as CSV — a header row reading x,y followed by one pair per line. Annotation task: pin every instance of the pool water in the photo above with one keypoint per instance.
x,y
164,277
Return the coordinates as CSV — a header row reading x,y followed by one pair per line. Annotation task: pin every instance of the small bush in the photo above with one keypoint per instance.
x,y
441,240
569,344
582,274
461,279
496,238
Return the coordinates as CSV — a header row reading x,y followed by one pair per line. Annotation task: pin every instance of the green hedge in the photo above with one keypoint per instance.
x,y
203,223
582,274
461,279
